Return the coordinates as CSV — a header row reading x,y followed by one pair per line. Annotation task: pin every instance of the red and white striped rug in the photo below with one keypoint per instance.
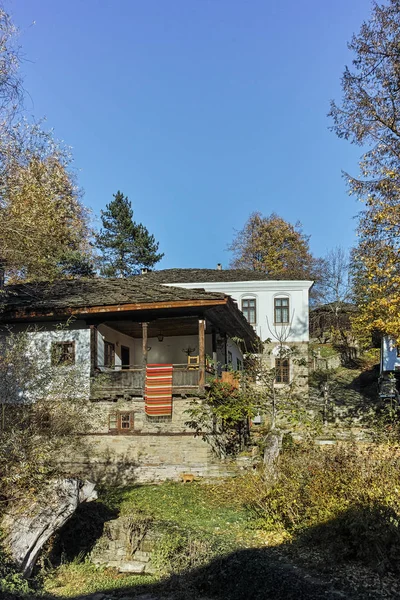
x,y
158,390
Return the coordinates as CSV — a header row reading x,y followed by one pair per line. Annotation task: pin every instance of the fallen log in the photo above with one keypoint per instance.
x,y
27,529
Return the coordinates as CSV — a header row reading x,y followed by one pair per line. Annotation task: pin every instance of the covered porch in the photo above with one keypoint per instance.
x,y
122,348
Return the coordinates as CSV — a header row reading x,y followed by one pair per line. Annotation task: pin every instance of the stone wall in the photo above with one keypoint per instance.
x,y
298,352
150,451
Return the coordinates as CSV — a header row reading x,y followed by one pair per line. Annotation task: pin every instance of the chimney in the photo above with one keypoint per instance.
x,y
219,267
144,270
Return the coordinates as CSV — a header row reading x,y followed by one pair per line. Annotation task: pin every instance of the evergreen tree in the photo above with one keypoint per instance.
x,y
125,246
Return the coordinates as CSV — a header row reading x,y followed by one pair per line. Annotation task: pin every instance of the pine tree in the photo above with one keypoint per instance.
x,y
125,246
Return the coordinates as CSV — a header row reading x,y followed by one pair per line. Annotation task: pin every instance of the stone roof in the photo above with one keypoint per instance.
x,y
76,293
204,275
97,296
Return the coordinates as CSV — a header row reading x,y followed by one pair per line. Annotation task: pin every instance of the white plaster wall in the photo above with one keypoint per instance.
x,y
264,292
389,359
170,350
41,338
236,353
119,339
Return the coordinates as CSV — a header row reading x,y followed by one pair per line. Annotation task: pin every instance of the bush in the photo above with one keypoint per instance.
x,y
12,583
345,498
181,550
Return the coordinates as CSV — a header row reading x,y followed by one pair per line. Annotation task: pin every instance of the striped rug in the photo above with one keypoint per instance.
x,y
158,390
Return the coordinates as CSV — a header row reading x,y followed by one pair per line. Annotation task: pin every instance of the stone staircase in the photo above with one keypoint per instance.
x,y
126,545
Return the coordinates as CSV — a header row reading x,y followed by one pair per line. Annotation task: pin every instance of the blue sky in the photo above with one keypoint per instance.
x,y
201,111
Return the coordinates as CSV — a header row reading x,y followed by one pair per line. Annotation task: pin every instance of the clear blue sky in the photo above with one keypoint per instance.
x,y
201,111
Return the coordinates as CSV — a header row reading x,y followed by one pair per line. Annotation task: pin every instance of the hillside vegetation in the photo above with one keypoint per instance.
x,y
329,523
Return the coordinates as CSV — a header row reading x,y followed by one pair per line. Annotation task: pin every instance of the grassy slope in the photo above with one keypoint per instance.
x,y
186,507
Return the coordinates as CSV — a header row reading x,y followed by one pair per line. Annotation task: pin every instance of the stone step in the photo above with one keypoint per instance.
x,y
132,566
142,555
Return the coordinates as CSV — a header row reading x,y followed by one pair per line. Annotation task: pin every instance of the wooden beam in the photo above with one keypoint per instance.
x,y
202,355
115,308
144,342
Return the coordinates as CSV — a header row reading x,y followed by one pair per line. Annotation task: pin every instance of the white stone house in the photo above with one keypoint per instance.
x,y
277,310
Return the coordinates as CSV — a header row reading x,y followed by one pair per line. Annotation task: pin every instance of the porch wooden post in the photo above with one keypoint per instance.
x,y
226,351
202,355
214,351
93,349
144,343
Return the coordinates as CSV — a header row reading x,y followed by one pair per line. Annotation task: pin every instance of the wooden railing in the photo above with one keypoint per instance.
x,y
132,380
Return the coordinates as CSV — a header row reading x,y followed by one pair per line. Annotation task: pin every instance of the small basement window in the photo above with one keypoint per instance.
x,y
120,421
62,354
282,370
42,421
159,419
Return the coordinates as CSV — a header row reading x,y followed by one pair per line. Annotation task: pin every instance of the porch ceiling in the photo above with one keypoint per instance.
x,y
165,327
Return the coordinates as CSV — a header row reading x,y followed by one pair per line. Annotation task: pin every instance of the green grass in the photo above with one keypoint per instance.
x,y
76,578
324,350
187,505
185,511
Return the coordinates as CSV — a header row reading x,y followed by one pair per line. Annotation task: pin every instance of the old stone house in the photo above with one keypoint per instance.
x,y
144,353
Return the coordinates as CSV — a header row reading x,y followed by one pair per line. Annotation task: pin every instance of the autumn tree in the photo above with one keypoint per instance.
x,y
125,245
369,116
44,228
275,247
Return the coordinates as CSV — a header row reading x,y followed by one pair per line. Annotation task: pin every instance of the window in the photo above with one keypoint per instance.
x,y
281,310
120,422
159,418
239,364
282,370
249,310
62,354
230,358
398,351
109,354
42,421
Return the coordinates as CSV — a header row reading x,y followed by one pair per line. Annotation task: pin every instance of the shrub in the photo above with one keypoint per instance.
x,y
345,498
12,583
181,550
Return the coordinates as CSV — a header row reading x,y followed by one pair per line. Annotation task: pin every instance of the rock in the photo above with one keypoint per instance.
x,y
27,530
132,566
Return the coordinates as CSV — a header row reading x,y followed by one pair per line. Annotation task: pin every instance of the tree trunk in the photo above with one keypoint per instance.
x,y
29,529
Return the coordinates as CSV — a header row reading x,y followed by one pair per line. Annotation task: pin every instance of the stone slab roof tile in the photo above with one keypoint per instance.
x,y
95,292
204,275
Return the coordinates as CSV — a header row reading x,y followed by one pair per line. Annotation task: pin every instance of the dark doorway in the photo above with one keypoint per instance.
x,y
125,359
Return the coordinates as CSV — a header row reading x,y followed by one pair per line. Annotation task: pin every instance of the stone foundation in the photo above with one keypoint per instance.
x,y
150,451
